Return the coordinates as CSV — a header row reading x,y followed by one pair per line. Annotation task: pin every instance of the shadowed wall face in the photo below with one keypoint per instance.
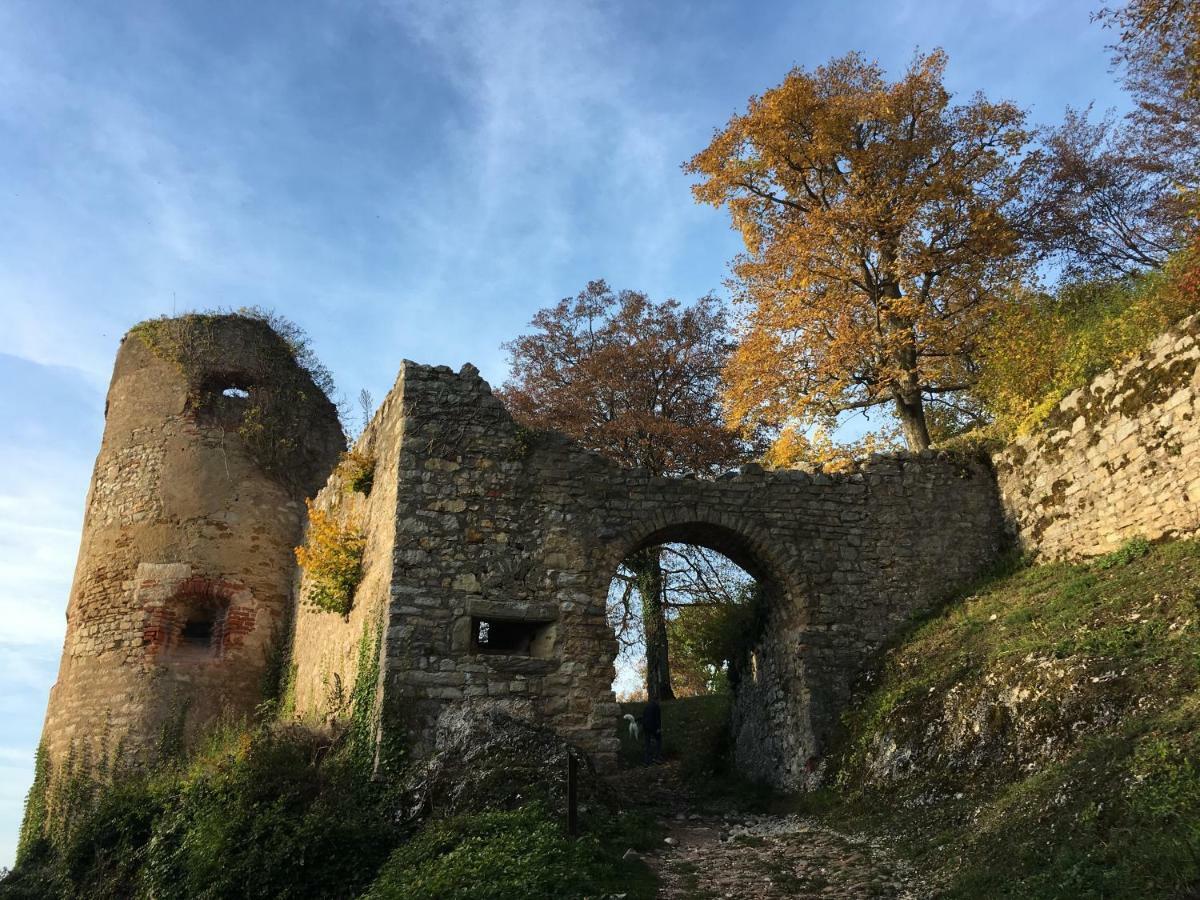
x,y
183,581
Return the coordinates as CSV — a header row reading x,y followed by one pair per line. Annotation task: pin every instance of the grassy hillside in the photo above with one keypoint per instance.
x,y
269,811
1040,738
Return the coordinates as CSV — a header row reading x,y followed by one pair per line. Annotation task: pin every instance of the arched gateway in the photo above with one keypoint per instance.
x,y
489,551
505,541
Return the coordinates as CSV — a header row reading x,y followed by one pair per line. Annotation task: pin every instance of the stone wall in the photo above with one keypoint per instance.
x,y
490,551
183,581
859,555
500,525
326,648
1118,458
480,539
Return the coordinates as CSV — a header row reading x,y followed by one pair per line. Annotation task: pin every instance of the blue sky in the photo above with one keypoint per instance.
x,y
403,179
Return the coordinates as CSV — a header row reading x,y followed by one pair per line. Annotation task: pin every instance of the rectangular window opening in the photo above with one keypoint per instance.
x,y
513,637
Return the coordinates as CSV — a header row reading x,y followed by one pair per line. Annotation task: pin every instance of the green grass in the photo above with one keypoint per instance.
x,y
1052,722
511,855
695,731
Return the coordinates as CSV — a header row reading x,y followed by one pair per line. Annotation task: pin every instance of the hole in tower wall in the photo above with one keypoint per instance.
x,y
201,629
224,396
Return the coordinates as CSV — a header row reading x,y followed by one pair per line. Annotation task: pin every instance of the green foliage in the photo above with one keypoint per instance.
x,y
364,705
509,855
709,639
262,819
1042,347
357,470
1134,548
256,812
332,558
33,824
1112,808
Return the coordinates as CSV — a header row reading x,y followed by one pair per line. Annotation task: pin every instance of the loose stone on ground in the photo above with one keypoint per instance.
x,y
777,856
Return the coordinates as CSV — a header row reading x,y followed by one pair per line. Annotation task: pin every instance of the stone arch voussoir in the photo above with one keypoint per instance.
x,y
745,542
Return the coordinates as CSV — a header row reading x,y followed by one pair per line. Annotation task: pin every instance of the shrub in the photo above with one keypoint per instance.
x,y
254,812
357,470
510,855
332,558
708,640
1041,347
268,817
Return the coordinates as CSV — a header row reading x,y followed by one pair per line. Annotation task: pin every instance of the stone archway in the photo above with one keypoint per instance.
x,y
487,521
771,724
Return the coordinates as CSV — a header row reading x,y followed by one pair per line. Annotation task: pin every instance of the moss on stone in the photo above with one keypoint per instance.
x,y
252,373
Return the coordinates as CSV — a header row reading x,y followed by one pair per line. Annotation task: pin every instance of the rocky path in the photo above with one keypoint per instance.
x,y
714,852
776,856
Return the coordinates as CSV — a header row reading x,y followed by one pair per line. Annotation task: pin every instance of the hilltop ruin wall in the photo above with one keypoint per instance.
x,y
490,551
493,524
1116,459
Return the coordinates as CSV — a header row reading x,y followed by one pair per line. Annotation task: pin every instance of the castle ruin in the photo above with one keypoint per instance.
x,y
489,549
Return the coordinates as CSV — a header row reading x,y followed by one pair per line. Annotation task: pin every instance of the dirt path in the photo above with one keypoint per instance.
x,y
776,856
712,852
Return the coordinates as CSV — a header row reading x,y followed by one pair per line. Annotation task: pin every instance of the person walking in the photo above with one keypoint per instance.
x,y
652,732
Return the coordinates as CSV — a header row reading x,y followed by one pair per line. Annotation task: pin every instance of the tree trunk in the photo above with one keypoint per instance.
x,y
911,413
910,409
647,569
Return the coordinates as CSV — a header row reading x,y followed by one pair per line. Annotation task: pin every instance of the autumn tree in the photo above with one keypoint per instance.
x,y
1155,37
879,226
1157,54
639,382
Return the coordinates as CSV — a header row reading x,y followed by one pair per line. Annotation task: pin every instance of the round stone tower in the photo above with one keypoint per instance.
x,y
214,434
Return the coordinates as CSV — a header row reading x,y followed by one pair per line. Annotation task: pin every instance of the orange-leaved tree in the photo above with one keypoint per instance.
x,y
879,221
639,382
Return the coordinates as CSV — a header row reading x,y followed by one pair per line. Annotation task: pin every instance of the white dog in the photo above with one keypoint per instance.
x,y
633,725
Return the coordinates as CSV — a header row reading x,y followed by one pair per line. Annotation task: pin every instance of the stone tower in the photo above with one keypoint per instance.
x,y
213,437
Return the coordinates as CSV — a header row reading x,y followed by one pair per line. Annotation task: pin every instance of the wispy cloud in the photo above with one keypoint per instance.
x,y
559,159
